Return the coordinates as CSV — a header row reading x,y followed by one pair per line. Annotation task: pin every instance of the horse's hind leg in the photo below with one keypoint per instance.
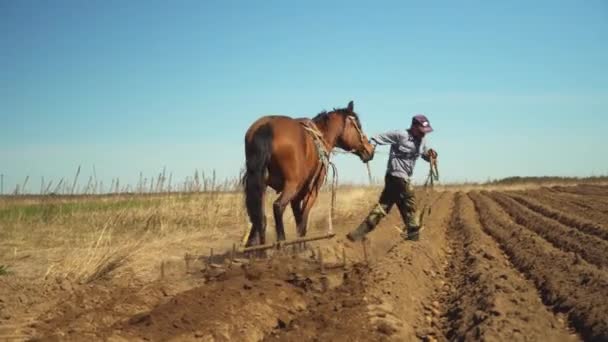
x,y
255,208
256,232
289,192
296,207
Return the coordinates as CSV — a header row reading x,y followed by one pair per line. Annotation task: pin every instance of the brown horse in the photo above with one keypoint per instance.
x,y
290,155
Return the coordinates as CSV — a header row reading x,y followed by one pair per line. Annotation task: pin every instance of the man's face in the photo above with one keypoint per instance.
x,y
417,131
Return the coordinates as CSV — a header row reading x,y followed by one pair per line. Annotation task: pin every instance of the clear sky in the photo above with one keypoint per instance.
x,y
511,87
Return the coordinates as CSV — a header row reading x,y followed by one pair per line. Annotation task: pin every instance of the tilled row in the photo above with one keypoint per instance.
x,y
583,189
592,202
565,281
586,204
593,223
589,247
492,301
595,203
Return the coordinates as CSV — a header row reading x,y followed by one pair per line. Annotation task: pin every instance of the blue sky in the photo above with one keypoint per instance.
x,y
512,88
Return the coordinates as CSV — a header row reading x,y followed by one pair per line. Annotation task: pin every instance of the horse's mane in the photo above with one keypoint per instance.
x,y
324,116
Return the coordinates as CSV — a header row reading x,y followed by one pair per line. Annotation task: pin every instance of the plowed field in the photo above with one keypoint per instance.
x,y
526,265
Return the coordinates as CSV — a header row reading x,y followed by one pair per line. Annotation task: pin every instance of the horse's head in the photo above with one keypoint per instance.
x,y
352,137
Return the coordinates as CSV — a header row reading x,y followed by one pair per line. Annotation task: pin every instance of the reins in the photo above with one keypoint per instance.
x,y
433,175
325,163
362,138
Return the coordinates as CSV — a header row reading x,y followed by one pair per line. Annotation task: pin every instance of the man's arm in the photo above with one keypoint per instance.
x,y
387,138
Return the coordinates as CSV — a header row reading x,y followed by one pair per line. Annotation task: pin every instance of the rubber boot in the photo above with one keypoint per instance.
x,y
370,222
413,233
359,233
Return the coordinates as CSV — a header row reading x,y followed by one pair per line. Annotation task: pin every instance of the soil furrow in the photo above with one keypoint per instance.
x,y
547,197
492,300
567,218
583,190
565,282
589,202
590,248
410,274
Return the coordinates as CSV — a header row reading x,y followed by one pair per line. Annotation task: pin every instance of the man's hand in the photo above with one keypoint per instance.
x,y
373,142
431,154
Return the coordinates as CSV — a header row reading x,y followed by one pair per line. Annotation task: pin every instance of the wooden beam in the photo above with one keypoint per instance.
x,y
286,243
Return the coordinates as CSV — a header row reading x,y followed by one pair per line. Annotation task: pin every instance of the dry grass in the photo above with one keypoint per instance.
x,y
95,237
92,237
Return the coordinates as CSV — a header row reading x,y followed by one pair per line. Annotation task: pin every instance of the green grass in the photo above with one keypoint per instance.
x,y
47,210
3,270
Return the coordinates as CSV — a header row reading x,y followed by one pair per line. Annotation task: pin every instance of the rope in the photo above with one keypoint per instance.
x,y
354,122
334,186
325,163
318,136
324,157
433,175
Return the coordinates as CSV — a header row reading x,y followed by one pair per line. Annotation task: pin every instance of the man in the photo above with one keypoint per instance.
x,y
406,147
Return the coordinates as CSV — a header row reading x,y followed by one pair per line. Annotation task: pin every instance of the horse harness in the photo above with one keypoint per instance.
x,y
324,158
320,142
321,145
321,148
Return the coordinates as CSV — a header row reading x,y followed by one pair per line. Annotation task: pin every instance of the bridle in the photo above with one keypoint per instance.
x,y
312,128
362,137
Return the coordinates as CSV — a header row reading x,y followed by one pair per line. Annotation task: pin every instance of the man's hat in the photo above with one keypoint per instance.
x,y
423,122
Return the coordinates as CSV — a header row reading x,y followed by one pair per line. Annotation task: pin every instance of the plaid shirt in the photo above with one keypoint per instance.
x,y
405,149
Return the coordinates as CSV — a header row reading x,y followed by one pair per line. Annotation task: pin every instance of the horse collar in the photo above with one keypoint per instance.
x,y
318,139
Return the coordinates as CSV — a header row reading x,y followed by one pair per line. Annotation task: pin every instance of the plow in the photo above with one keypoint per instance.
x,y
281,244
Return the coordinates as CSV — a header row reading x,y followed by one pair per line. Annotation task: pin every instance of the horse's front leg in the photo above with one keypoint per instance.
x,y
288,194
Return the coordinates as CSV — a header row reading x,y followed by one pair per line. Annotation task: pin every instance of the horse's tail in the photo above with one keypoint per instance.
x,y
257,152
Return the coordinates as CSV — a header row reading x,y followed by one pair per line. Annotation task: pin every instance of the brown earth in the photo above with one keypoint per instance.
x,y
566,282
589,247
583,189
493,300
489,266
570,215
588,202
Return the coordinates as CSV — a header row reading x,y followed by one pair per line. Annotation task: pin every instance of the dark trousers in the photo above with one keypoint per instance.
x,y
396,191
